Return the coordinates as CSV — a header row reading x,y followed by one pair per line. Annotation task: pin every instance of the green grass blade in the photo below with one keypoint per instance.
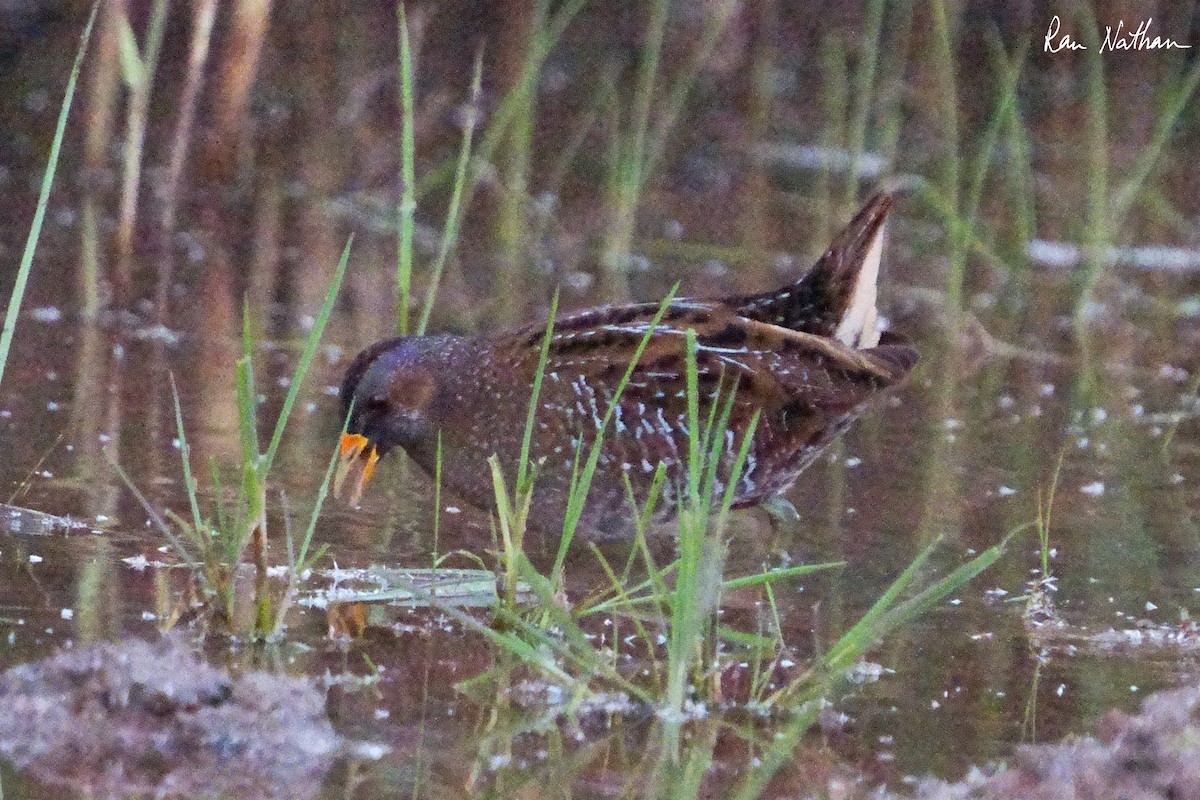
x,y
1164,126
509,531
159,522
932,595
769,577
246,395
1096,235
454,212
739,463
185,456
948,119
133,71
543,357
322,493
863,629
1005,108
310,349
522,92
246,404
647,77
1018,174
693,414
885,617
671,106
864,84
529,654
218,492
407,209
577,646
39,214
437,499
718,426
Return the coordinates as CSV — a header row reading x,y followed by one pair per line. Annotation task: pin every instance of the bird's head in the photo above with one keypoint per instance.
x,y
386,396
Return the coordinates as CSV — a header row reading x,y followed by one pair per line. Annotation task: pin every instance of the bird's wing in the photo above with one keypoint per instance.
x,y
769,363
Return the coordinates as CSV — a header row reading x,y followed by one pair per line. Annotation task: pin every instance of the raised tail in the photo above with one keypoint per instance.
x,y
836,297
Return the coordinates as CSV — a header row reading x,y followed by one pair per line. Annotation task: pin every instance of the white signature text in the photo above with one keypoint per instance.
x,y
1118,38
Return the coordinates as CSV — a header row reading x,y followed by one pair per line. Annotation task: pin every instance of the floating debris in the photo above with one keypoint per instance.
x,y
28,522
412,588
158,333
1182,636
866,672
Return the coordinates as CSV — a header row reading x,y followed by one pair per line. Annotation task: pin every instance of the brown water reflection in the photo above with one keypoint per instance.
x,y
963,451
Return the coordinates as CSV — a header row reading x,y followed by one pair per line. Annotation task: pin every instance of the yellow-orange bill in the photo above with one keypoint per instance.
x,y
357,458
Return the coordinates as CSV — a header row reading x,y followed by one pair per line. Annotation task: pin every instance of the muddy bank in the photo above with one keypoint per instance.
x,y
1153,754
137,718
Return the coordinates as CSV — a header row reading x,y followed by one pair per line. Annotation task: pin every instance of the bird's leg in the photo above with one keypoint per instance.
x,y
785,521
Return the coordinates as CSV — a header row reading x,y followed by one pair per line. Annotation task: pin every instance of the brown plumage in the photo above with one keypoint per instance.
x,y
807,358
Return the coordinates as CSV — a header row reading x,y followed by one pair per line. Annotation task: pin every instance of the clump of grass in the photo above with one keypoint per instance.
x,y
681,599
697,591
628,170
221,543
1039,601
521,96
511,120
1039,609
673,610
556,630
513,516
956,193
39,214
511,229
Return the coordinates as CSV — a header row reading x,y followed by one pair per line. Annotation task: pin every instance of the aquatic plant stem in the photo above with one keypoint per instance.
x,y
1096,233
629,165
306,357
519,96
864,83
204,15
39,214
454,212
139,74
406,211
950,183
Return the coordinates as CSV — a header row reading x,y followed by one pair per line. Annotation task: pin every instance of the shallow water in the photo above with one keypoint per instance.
x,y
964,451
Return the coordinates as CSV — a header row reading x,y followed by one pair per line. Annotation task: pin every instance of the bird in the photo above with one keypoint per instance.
x,y
799,363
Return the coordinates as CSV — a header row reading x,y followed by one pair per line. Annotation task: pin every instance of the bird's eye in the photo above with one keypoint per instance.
x,y
375,405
